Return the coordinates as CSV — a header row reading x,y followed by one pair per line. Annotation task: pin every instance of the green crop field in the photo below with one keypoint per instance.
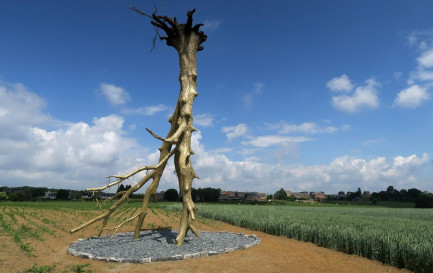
x,y
399,237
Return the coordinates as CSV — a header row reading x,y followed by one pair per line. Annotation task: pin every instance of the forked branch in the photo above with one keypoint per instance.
x,y
174,138
133,189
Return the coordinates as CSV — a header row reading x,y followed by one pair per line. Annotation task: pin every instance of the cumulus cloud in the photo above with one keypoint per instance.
x,y
74,156
362,97
19,108
114,94
146,111
421,78
79,155
341,83
204,120
343,173
235,131
412,96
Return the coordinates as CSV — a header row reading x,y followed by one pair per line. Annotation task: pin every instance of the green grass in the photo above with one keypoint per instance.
x,y
40,269
17,235
399,237
84,268
361,204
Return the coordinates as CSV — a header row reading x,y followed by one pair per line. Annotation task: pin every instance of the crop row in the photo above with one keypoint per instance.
x,y
399,237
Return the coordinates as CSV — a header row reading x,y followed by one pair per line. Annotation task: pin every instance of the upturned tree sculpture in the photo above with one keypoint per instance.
x,y
187,40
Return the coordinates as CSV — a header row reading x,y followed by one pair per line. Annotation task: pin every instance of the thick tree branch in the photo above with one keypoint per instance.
x,y
189,21
174,138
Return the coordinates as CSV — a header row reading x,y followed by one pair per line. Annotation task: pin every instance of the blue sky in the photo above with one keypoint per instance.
x,y
304,95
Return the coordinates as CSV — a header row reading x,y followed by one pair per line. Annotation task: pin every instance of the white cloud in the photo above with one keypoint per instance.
x,y
343,173
79,155
420,75
426,59
235,131
19,109
211,25
306,128
424,70
147,111
372,141
269,140
204,120
286,150
412,97
341,83
248,98
420,39
75,156
114,94
363,97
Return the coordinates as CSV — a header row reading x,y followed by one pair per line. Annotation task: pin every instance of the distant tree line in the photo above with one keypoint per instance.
x,y
206,195
27,193
421,199
413,195
198,195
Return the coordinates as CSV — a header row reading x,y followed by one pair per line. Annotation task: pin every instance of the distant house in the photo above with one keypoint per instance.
x,y
318,196
301,195
230,195
341,194
160,196
50,195
255,197
106,195
86,195
242,196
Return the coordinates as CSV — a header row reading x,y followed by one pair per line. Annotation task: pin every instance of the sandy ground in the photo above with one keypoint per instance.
x,y
274,254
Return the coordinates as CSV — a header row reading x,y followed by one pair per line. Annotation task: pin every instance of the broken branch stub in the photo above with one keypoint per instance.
x,y
187,40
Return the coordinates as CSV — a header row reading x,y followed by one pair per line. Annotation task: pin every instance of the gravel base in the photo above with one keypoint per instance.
x,y
159,245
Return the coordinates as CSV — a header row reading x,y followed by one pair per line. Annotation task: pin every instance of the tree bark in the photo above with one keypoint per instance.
x,y
187,40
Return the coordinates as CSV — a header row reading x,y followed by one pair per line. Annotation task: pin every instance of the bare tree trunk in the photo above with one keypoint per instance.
x,y
187,40
184,169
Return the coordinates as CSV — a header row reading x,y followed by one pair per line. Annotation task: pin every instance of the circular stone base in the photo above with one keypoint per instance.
x,y
159,245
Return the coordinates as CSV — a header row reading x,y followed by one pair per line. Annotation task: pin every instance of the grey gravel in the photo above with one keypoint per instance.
x,y
159,245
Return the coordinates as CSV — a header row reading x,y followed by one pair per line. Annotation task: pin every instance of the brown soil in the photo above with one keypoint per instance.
x,y
274,254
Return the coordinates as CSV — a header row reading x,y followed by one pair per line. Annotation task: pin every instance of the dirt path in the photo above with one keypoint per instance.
x,y
274,254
